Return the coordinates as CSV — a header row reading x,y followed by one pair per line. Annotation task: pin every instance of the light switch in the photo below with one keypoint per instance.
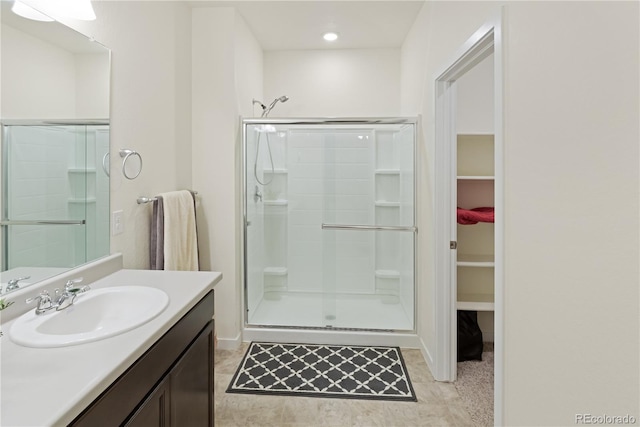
x,y
117,223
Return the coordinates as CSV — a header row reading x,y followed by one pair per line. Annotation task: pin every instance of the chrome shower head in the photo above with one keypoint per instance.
x,y
283,98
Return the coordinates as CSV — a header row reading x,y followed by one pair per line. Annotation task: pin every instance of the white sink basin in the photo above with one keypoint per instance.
x,y
95,315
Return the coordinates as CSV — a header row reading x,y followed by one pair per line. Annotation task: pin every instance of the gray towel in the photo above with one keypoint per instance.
x,y
156,247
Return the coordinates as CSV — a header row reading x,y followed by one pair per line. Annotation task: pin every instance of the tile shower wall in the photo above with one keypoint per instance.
x,y
55,173
330,181
39,170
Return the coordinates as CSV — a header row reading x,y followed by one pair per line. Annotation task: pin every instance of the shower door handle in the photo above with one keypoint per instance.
x,y
412,229
45,222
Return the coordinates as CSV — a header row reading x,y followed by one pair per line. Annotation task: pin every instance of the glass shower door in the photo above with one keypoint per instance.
x,y
368,228
55,196
329,224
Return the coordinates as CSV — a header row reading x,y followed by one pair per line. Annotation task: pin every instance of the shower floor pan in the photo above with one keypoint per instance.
x,y
316,310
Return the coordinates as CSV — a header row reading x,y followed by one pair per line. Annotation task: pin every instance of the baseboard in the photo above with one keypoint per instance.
x,y
331,337
229,343
427,356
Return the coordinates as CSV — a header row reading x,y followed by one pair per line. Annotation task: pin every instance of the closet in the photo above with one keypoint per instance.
x,y
474,195
475,241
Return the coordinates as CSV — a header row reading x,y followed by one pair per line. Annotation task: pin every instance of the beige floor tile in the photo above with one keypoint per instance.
x,y
302,410
428,393
459,415
334,412
438,403
367,413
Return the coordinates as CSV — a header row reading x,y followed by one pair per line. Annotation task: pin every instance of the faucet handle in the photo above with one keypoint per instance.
x,y
71,283
12,284
42,297
15,281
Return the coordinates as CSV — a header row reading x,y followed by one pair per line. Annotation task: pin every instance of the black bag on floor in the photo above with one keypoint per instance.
x,y
469,336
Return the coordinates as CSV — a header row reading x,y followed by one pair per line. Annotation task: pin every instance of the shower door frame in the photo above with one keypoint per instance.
x,y
365,121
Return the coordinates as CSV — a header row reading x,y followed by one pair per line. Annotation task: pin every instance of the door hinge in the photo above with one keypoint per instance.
x,y
453,244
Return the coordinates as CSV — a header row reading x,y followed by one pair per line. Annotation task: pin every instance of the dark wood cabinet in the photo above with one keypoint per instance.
x,y
170,385
155,410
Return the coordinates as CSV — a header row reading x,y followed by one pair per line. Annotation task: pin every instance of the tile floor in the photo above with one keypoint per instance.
x,y
438,403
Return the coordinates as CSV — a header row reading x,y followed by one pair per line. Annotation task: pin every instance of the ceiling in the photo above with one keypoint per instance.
x,y
292,25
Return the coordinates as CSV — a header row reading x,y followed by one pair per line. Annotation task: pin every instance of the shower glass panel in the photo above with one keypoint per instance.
x,y
330,223
55,196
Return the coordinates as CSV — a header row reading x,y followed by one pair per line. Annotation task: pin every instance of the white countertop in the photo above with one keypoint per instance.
x,y
51,386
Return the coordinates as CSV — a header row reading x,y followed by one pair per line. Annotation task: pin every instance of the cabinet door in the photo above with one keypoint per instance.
x,y
192,384
155,410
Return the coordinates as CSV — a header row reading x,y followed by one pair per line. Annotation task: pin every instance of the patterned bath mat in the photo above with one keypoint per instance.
x,y
348,372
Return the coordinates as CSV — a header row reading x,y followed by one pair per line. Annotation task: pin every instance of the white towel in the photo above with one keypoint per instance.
x,y
180,237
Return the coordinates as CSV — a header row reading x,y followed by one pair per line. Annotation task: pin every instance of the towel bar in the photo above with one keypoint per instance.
x,y
142,200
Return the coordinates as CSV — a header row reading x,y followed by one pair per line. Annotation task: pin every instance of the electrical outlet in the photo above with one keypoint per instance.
x,y
117,223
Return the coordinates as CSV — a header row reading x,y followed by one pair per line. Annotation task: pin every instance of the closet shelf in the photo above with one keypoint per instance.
x,y
476,177
466,260
475,302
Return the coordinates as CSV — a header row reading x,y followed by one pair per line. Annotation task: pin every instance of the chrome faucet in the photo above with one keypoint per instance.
x,y
61,300
44,302
71,291
12,284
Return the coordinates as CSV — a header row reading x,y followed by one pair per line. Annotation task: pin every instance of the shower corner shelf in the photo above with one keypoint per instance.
x,y
387,171
385,204
275,271
276,171
87,200
277,202
80,170
387,274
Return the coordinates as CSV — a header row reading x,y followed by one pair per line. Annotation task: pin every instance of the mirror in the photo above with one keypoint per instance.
x,y
54,173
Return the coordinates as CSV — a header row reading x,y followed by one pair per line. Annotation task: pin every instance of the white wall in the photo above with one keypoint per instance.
x,y
27,92
92,85
571,232
150,107
42,80
438,32
333,83
226,76
571,198
475,105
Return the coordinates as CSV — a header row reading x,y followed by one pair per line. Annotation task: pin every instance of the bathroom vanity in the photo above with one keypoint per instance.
x,y
160,373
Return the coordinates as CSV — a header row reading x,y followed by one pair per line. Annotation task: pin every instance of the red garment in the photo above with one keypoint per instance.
x,y
475,215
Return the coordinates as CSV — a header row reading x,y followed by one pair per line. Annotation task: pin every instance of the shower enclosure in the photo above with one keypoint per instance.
x,y
329,223
55,194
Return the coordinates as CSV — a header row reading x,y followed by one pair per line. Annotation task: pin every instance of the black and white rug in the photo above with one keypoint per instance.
x,y
349,372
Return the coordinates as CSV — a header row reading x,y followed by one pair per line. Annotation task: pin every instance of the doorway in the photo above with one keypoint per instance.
x,y
469,261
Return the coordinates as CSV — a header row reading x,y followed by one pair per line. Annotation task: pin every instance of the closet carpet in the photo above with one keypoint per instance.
x,y
475,388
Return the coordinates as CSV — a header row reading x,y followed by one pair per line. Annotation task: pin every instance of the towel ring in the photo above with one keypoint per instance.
x,y
126,153
105,161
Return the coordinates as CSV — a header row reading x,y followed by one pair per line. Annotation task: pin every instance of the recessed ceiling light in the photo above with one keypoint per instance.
x,y
330,37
